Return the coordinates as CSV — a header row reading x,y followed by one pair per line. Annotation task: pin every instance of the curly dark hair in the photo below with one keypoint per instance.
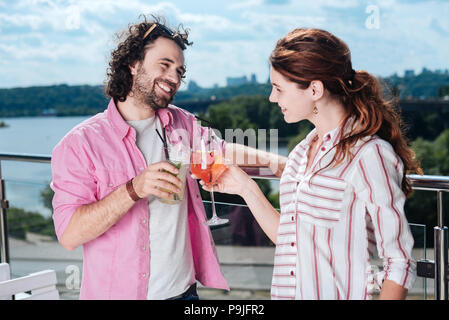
x,y
132,48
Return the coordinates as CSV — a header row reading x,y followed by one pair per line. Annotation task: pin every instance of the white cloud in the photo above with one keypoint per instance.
x,y
67,38
274,21
248,4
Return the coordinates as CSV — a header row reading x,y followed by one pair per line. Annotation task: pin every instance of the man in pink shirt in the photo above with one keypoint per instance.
x,y
107,176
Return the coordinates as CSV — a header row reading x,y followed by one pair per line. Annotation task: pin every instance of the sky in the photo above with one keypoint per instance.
x,y
48,42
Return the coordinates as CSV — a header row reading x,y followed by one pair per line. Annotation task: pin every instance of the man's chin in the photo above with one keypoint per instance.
x,y
159,104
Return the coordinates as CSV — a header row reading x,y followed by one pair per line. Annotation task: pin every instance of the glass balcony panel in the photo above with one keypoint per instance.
x,y
32,240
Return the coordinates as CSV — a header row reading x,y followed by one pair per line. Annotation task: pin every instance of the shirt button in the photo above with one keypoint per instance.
x,y
293,244
292,273
143,248
144,221
323,149
327,138
111,185
141,168
293,218
144,275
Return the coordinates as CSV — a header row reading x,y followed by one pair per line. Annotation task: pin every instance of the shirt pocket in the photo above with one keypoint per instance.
x,y
320,200
109,181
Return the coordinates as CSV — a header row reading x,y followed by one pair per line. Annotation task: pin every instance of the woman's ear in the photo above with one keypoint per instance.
x,y
316,89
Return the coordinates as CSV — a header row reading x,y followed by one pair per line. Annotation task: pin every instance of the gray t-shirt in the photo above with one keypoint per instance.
x,y
171,261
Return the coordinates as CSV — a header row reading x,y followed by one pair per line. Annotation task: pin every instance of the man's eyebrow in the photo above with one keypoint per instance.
x,y
167,59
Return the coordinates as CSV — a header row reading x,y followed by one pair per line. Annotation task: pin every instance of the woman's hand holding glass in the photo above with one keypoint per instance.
x,y
233,181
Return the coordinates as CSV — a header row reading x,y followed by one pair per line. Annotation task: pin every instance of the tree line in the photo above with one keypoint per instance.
x,y
65,100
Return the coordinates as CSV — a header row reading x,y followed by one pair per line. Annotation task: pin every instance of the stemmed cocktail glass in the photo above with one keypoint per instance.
x,y
207,163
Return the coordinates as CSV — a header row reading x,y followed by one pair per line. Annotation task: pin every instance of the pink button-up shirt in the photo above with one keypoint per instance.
x,y
94,159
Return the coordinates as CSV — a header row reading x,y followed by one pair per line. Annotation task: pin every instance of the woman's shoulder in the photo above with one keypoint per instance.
x,y
372,144
376,149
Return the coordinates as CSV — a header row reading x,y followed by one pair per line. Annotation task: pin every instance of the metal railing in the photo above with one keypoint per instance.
x,y
438,269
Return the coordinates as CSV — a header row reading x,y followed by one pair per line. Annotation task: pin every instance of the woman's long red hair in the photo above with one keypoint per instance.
x,y
304,55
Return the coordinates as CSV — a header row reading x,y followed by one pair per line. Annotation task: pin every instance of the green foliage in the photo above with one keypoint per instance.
x,y
64,100
425,123
20,222
425,84
46,196
443,91
220,93
424,151
421,207
249,112
441,152
61,100
274,200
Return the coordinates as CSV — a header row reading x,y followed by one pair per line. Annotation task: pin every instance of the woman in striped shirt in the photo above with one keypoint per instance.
x,y
343,189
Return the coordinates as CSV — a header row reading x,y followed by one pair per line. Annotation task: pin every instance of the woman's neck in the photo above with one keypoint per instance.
x,y
330,115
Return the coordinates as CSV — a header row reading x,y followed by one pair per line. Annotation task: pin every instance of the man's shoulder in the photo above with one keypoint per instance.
x,y
83,131
178,111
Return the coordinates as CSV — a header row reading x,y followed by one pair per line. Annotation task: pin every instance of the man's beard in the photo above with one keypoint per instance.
x,y
144,90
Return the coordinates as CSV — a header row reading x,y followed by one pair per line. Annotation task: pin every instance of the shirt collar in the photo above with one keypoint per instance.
x,y
166,117
332,137
122,127
117,121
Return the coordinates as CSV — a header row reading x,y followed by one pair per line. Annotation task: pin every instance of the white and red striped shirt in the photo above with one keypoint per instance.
x,y
331,224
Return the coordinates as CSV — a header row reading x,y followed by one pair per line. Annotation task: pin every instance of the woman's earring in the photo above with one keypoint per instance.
x,y
315,109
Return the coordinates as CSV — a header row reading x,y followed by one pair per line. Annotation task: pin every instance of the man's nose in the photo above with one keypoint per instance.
x,y
173,77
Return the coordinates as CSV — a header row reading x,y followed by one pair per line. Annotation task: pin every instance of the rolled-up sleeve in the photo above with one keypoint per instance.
x,y
379,177
72,182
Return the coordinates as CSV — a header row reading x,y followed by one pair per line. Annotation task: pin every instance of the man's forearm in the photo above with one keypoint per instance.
x,y
92,220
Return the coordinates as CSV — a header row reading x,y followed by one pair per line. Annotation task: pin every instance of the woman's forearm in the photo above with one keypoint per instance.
x,y
266,216
392,291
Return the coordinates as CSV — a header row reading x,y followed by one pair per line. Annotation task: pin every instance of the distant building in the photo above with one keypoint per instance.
x,y
253,78
238,81
193,86
409,73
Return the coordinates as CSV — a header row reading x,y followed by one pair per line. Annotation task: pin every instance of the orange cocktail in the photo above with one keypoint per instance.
x,y
207,165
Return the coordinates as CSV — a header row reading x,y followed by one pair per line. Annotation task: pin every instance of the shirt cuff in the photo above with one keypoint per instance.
x,y
402,272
